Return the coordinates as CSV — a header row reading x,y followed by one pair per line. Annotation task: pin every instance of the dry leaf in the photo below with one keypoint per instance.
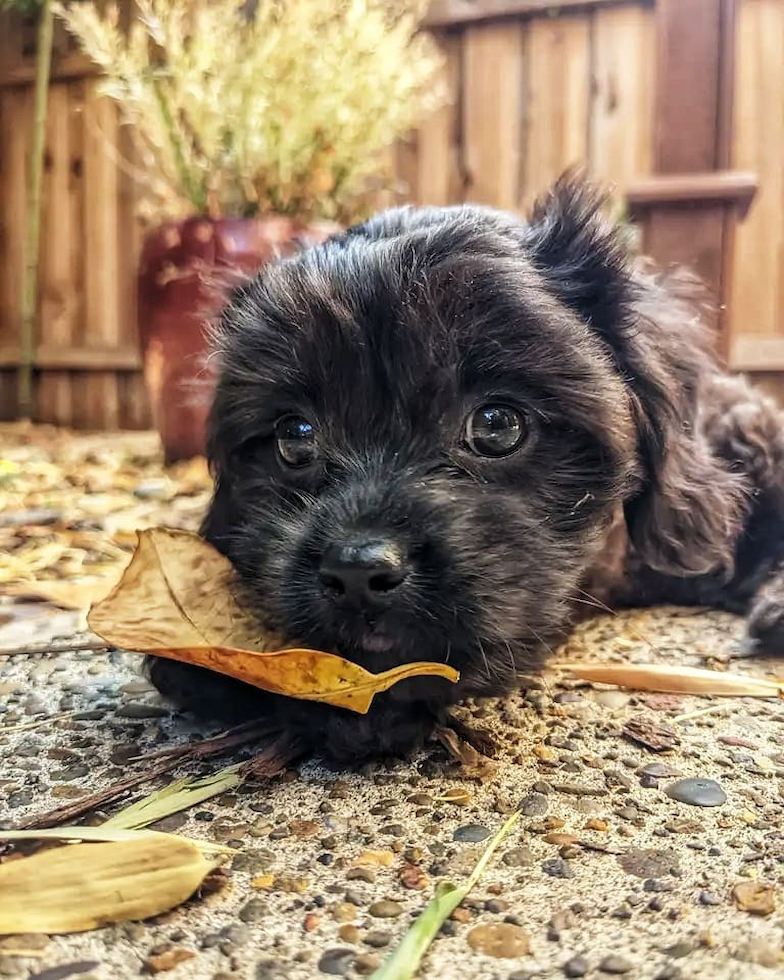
x,y
473,763
175,600
86,886
676,680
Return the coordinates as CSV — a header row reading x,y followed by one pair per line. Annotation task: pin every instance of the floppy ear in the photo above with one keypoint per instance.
x,y
687,506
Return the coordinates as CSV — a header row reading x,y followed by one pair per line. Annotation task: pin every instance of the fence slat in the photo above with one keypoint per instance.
x,y
622,73
557,100
100,406
493,113
758,277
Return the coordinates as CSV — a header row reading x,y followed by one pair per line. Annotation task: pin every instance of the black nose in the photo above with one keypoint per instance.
x,y
363,571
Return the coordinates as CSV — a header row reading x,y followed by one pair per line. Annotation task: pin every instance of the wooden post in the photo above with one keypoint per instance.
x,y
689,208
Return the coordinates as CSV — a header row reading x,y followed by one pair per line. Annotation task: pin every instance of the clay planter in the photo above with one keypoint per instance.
x,y
185,270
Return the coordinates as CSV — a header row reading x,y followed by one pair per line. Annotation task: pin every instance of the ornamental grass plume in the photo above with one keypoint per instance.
x,y
263,106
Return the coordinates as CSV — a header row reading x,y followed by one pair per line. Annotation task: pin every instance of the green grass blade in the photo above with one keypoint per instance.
x,y
177,796
404,961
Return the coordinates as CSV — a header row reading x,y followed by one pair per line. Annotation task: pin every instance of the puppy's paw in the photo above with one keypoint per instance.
x,y
765,627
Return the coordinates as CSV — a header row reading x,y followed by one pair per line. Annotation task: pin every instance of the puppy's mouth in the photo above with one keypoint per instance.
x,y
375,640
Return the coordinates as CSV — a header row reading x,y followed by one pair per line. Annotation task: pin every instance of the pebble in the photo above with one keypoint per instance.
x,y
167,960
534,805
615,965
337,962
756,897
577,966
709,898
253,911
138,709
378,938
366,963
697,792
471,833
386,910
349,933
557,868
500,940
648,862
518,857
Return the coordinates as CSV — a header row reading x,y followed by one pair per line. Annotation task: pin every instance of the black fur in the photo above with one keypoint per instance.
x,y
386,338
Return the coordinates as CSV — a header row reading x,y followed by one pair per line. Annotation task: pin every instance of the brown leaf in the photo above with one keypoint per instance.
x,y
473,763
86,886
653,735
177,600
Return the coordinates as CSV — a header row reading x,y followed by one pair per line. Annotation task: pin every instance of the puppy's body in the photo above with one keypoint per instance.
x,y
438,435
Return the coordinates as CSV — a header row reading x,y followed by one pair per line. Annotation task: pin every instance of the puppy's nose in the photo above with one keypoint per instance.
x,y
363,571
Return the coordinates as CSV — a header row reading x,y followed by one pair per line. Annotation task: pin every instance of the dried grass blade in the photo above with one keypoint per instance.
x,y
675,680
104,834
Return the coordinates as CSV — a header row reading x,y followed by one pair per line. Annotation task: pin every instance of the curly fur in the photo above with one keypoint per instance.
x,y
386,338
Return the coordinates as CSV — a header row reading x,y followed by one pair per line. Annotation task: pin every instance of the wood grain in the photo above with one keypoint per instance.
x,y
757,279
557,89
492,116
622,73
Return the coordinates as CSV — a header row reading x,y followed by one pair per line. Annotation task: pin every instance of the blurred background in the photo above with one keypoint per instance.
x,y
150,150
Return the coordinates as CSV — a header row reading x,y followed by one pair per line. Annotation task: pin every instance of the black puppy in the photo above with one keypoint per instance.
x,y
425,430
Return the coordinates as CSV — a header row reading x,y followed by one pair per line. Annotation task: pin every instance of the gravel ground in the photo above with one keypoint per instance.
x,y
606,874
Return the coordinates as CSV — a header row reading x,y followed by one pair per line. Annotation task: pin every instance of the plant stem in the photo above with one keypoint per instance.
x,y
33,235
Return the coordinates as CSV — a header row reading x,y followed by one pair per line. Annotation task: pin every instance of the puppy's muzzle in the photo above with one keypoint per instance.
x,y
363,572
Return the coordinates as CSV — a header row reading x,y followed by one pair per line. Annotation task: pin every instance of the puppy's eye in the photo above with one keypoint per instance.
x,y
296,441
495,430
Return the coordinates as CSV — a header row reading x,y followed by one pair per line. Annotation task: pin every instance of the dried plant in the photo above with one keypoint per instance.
x,y
244,108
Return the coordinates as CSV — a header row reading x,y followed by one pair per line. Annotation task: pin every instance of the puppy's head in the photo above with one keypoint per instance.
x,y
422,428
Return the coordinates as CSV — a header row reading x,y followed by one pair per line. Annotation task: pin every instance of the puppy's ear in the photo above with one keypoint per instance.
x,y
583,256
685,507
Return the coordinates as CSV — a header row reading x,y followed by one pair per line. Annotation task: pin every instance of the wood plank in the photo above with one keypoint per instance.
x,y
757,280
446,13
439,177
57,299
754,353
76,358
15,118
492,113
736,187
558,87
99,406
623,84
689,36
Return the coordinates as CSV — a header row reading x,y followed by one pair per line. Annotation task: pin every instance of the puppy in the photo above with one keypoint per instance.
x,y
440,434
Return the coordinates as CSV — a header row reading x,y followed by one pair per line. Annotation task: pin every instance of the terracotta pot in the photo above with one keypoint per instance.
x,y
185,271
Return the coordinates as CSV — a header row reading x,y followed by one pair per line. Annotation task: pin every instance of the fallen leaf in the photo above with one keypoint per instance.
x,y
85,886
653,735
105,832
669,679
473,763
176,600
457,796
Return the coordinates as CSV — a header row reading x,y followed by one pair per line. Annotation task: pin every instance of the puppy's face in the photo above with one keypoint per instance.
x,y
417,446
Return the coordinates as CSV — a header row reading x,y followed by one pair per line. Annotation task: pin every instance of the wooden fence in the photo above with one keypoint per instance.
x,y
534,87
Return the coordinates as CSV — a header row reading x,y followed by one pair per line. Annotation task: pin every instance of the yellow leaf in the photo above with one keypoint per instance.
x,y
676,680
86,886
176,600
